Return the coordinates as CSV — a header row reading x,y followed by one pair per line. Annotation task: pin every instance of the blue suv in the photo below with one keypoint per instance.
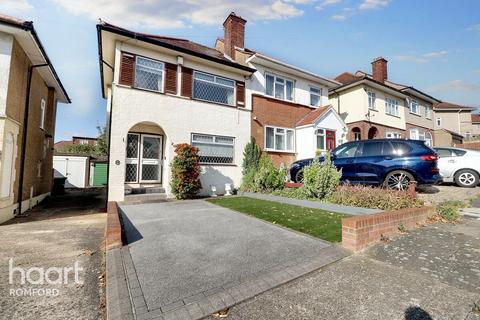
x,y
392,163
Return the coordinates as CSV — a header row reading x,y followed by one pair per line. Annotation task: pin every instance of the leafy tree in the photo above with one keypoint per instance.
x,y
185,181
100,149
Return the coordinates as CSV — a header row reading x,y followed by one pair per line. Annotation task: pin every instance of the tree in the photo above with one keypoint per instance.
x,y
251,156
100,149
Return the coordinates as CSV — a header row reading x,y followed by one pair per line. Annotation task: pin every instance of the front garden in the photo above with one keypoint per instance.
x,y
321,183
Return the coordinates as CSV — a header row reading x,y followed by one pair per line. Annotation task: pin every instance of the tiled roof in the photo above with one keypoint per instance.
x,y
13,20
347,77
62,144
451,106
177,44
312,116
475,118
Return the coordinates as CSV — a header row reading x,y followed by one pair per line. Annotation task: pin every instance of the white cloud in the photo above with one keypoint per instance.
x,y
456,85
165,14
15,7
474,28
373,4
327,3
422,58
339,17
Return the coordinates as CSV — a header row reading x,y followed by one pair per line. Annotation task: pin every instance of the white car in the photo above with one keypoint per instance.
x,y
461,166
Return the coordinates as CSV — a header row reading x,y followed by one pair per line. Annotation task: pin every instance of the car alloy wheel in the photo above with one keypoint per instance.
x,y
299,177
398,180
466,178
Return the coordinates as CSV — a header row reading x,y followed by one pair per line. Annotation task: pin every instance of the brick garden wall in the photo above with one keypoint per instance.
x,y
469,145
113,230
360,231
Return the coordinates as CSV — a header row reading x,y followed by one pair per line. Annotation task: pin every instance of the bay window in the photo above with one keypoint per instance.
x,y
279,139
278,87
214,149
213,88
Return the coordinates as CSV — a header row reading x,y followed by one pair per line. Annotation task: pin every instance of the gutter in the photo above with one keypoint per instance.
x,y
24,134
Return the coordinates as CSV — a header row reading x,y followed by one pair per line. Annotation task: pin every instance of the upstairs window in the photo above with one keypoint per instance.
x,y
439,122
428,112
278,87
42,114
212,88
149,74
315,96
279,139
214,149
371,100
391,106
414,107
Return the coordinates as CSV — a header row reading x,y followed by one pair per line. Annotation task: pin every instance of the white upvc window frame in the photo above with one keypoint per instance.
x,y
318,94
162,87
429,140
393,135
214,142
438,121
215,77
276,79
415,103
275,133
372,100
428,112
42,114
389,104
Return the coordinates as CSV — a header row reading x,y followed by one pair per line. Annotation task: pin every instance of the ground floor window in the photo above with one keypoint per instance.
x,y
279,139
214,149
393,135
419,134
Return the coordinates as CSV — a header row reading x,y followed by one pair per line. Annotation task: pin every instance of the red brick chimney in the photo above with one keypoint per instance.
x,y
379,69
234,27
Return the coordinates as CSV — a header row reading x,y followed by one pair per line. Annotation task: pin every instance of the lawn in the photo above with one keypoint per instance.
x,y
315,222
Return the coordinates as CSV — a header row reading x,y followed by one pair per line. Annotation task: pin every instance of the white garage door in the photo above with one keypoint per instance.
x,y
73,168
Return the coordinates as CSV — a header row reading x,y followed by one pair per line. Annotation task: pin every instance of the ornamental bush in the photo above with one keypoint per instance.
x,y
251,156
185,181
268,177
374,198
321,179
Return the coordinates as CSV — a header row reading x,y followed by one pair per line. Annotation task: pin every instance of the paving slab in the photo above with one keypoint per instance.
x,y
192,255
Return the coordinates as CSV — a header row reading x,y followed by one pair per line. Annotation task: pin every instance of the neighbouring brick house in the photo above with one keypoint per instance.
x,y
281,96
29,92
64,144
375,107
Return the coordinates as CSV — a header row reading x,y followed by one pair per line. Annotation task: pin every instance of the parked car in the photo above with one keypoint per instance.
x,y
461,166
393,163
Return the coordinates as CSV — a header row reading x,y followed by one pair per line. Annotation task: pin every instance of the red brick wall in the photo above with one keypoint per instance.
x,y
469,145
234,34
360,231
365,127
274,112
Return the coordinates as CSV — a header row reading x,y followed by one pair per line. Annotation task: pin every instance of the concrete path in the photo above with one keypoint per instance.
x,y
313,204
192,258
58,233
429,273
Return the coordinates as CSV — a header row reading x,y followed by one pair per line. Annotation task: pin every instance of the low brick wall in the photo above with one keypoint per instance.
x,y
113,230
360,231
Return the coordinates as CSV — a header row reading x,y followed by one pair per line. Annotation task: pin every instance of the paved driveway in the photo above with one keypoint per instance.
x,y
195,258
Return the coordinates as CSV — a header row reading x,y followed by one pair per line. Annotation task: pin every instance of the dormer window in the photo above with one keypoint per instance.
x,y
278,87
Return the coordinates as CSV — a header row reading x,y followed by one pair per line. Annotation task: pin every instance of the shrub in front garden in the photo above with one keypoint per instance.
x,y
320,179
251,156
268,177
448,210
185,181
374,198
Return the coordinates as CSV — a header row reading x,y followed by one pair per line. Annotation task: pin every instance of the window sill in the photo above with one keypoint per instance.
x,y
371,109
218,164
392,115
415,114
279,151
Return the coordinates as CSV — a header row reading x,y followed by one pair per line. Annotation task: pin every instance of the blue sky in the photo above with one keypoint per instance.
x,y
430,44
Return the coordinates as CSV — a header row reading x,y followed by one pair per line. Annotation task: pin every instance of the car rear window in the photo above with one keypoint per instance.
x,y
396,148
459,153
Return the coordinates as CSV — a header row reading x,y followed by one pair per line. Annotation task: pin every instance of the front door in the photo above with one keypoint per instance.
x,y
143,162
330,139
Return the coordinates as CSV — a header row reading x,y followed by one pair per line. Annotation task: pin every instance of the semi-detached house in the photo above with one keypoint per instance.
x,y
375,107
162,91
